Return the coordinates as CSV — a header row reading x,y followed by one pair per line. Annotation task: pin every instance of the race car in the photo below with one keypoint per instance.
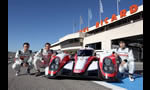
x,y
84,64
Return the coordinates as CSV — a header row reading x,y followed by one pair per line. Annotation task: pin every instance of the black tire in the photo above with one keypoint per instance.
x,y
100,73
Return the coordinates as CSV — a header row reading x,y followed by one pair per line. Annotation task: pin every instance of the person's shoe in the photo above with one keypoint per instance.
x,y
123,75
131,78
17,73
28,71
38,73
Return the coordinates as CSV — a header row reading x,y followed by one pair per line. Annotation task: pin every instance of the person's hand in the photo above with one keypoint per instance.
x,y
116,55
25,65
43,62
54,54
21,57
122,63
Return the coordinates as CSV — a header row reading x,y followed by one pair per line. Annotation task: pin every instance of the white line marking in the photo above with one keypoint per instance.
x,y
113,87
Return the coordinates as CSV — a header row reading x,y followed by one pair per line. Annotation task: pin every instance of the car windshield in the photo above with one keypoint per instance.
x,y
85,53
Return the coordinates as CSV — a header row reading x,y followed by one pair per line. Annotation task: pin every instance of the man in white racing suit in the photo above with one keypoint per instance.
x,y
127,60
42,58
23,58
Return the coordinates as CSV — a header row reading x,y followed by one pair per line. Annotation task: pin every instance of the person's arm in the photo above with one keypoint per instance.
x,y
30,58
130,56
38,55
17,57
54,53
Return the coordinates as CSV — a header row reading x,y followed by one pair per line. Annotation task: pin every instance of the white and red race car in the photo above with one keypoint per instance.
x,y
84,64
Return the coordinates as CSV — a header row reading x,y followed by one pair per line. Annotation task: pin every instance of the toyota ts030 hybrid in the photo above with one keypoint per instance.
x,y
84,64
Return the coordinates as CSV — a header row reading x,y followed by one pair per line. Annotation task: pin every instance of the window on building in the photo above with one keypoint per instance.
x,y
96,46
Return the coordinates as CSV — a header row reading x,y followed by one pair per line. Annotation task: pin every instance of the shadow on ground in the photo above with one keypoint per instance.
x,y
137,74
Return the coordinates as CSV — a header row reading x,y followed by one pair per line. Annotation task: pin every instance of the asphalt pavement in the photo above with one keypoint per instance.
x,y
30,82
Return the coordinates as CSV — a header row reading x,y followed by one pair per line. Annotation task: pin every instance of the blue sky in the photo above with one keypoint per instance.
x,y
41,21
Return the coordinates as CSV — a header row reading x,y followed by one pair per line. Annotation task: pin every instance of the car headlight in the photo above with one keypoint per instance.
x,y
105,68
52,66
56,67
57,61
55,64
107,61
108,66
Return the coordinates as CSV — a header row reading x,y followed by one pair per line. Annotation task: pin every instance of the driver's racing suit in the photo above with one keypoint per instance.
x,y
42,58
126,54
23,57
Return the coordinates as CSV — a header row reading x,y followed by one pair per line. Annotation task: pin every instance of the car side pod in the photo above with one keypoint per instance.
x,y
108,68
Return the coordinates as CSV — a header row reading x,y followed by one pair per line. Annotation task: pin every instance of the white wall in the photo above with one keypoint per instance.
x,y
71,36
105,37
56,47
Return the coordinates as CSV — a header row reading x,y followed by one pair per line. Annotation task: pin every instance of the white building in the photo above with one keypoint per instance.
x,y
128,28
